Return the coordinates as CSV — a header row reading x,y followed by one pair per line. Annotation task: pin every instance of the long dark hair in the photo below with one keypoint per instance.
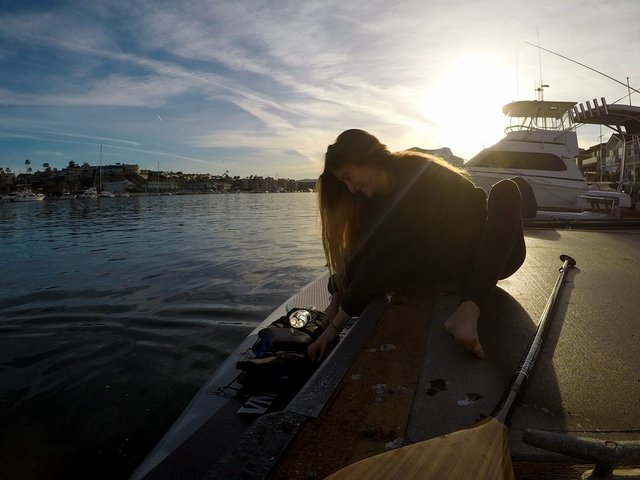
x,y
336,204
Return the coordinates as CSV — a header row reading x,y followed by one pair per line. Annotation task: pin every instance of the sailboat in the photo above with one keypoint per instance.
x,y
97,191
101,191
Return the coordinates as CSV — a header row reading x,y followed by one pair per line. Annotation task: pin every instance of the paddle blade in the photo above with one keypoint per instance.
x,y
478,452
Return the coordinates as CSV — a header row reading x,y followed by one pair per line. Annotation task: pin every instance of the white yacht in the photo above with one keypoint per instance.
x,y
106,194
91,192
23,196
540,145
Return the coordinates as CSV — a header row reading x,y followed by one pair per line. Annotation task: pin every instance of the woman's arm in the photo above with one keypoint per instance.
x,y
332,309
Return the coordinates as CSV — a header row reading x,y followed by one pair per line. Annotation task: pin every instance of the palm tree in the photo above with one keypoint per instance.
x,y
27,162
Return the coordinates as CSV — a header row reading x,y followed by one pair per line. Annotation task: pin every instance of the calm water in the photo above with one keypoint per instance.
x,y
114,311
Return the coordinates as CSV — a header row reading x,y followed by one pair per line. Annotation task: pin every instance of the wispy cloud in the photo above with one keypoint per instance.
x,y
249,80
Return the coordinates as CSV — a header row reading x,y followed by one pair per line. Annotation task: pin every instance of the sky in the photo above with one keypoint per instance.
x,y
253,87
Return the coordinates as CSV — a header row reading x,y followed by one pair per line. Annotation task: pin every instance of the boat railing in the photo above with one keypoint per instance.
x,y
599,203
533,127
520,128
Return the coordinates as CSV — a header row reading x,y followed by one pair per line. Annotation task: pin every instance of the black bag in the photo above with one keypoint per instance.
x,y
279,357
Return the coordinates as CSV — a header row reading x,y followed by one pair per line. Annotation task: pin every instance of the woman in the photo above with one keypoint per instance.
x,y
392,218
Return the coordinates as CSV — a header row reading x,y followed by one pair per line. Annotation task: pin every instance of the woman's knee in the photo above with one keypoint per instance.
x,y
514,193
529,202
505,195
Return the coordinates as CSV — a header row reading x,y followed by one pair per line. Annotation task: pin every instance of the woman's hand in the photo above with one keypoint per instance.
x,y
319,349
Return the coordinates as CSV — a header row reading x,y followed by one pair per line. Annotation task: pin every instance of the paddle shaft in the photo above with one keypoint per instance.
x,y
511,394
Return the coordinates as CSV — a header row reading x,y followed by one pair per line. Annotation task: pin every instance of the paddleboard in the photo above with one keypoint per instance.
x,y
220,413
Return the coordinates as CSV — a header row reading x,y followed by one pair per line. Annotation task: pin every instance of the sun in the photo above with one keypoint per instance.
x,y
463,104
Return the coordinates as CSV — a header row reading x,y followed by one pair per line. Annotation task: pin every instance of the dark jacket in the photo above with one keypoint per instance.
x,y
427,228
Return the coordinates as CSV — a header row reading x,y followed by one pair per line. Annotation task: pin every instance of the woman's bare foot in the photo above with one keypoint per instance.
x,y
463,325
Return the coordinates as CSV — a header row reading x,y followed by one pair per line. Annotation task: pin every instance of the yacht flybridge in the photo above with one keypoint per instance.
x,y
540,145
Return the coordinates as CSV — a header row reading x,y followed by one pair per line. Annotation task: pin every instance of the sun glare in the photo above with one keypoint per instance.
x,y
463,105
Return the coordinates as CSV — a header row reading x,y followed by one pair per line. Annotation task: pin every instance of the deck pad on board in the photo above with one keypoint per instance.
x,y
585,381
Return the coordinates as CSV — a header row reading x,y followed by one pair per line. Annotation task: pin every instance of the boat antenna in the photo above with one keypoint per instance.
x,y
539,57
517,77
585,66
542,85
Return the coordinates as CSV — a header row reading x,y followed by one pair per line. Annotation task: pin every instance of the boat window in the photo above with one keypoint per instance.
x,y
520,160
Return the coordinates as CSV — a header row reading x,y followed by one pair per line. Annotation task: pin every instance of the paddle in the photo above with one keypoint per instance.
x,y
481,451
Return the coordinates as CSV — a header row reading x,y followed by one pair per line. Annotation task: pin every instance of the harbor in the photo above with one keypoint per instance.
x,y
398,378
165,238
115,311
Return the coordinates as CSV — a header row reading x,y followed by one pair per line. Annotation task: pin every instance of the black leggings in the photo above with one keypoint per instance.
x,y
502,249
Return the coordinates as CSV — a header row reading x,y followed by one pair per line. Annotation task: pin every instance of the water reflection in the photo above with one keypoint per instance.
x,y
114,311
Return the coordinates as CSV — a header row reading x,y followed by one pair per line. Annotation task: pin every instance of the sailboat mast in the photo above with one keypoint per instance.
x,y
100,170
